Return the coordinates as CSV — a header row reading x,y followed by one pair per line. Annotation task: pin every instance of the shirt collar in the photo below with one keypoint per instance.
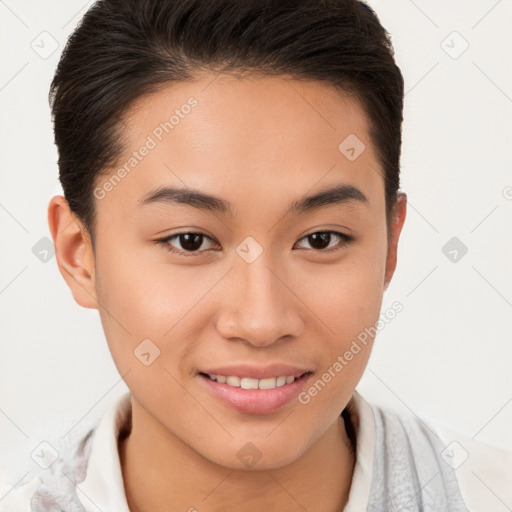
x,y
361,416
102,490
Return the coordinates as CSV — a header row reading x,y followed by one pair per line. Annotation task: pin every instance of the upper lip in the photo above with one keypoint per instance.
x,y
257,372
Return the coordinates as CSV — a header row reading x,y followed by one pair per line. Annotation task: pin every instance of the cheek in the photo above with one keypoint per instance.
x,y
348,304
348,296
138,300
145,295
145,298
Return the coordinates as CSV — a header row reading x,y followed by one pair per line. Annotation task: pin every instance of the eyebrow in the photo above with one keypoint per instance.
x,y
339,194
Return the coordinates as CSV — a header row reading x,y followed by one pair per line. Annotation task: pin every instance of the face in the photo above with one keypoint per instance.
x,y
210,259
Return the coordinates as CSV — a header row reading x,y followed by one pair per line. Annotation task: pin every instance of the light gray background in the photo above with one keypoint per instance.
x,y
446,356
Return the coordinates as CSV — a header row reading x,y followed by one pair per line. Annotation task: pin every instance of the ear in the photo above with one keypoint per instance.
x,y
73,252
397,222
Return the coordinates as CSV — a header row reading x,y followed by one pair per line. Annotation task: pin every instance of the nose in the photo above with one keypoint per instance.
x,y
258,307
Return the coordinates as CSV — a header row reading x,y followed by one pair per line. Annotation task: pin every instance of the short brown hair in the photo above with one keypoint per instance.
x,y
123,49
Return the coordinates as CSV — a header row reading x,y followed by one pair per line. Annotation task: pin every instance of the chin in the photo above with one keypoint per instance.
x,y
252,455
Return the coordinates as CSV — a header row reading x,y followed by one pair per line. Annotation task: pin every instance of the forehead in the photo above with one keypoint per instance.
x,y
258,135
266,107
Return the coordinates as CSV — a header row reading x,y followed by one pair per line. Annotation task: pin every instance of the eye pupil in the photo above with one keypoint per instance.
x,y
325,238
189,241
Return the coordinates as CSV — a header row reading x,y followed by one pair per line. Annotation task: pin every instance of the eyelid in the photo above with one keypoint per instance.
x,y
165,241
344,236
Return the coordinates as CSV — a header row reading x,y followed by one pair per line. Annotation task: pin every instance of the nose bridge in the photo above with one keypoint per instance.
x,y
261,309
260,287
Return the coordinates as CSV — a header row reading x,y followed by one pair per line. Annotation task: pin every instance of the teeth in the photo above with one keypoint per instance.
x,y
233,381
269,383
249,383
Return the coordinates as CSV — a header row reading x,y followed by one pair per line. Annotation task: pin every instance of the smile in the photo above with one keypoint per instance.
x,y
254,396
249,383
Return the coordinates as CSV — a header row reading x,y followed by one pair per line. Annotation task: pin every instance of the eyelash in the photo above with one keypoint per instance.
x,y
165,242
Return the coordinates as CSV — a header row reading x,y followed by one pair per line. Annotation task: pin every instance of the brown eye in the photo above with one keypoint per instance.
x,y
190,243
322,240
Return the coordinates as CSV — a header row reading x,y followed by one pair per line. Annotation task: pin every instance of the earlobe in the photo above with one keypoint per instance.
x,y
73,252
397,222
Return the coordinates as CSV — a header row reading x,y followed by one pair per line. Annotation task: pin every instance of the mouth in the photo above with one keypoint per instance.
x,y
250,395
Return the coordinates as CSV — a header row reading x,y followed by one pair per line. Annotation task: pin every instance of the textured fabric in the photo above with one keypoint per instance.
x,y
57,492
409,474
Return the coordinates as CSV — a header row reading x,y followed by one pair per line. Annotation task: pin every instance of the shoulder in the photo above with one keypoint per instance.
x,y
53,485
76,473
484,471
442,465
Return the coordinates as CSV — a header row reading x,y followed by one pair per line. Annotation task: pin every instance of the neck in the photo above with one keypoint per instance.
x,y
158,474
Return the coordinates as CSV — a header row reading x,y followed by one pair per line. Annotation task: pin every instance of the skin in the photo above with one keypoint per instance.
x,y
259,143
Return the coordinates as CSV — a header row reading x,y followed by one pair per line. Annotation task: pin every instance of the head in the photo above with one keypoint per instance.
x,y
231,197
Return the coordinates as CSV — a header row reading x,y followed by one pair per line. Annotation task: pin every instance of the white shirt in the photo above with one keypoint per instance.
x,y
483,472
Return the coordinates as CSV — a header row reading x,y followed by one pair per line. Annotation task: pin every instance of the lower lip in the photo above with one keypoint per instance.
x,y
256,401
